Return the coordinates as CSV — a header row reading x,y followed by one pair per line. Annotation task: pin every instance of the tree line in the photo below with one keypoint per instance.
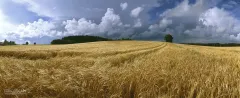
x,y
215,44
169,38
5,42
79,39
82,39
86,38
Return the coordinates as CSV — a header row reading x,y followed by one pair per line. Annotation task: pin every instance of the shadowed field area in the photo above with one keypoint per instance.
x,y
120,69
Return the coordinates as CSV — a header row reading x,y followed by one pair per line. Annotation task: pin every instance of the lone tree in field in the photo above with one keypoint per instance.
x,y
35,43
168,38
27,43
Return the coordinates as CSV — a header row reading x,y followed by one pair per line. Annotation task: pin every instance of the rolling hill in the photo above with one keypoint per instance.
x,y
128,69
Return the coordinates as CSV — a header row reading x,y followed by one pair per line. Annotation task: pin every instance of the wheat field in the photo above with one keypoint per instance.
x,y
120,69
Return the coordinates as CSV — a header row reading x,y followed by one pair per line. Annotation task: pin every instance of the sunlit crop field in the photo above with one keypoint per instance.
x,y
119,69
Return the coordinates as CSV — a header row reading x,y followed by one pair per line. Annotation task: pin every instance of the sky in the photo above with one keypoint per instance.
x,y
189,21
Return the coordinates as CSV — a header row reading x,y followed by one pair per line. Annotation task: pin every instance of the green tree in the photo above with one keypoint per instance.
x,y
168,38
8,42
5,42
12,43
79,39
27,43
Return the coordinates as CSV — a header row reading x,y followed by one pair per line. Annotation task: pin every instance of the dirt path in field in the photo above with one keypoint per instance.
x,y
129,57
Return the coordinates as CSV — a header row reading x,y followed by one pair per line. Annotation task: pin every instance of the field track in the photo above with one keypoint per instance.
x,y
120,69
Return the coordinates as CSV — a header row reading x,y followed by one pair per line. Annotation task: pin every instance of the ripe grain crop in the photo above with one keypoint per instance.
x,y
120,69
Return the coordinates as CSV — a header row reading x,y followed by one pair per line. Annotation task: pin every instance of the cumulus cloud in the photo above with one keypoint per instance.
x,y
110,20
222,22
196,22
124,5
38,28
186,13
5,25
138,23
164,23
109,25
135,12
80,27
220,19
200,21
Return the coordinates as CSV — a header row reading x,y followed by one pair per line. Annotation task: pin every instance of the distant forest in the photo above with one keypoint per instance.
x,y
215,44
82,39
87,38
78,39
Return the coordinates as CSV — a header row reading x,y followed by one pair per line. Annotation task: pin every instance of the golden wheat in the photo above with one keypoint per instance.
x,y
116,69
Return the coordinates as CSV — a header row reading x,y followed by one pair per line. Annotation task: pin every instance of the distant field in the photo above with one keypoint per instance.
x,y
115,69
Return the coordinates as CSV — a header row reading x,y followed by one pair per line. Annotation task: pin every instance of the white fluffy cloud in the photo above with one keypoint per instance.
x,y
164,23
221,20
109,21
38,28
216,25
135,12
82,27
187,11
201,21
5,25
110,24
138,23
197,23
124,5
17,33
